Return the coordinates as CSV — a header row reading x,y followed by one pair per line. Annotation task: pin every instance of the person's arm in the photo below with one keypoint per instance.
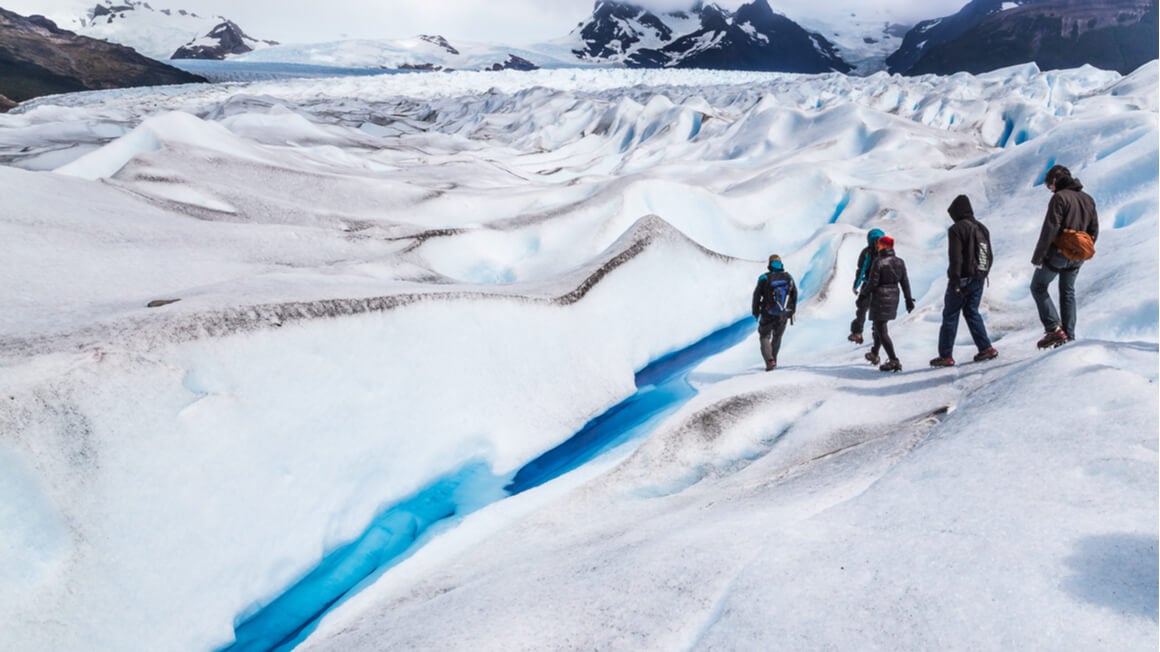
x,y
905,283
1094,224
858,279
954,256
757,297
1050,230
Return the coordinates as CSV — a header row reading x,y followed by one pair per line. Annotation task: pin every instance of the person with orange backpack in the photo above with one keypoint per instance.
x,y
774,303
1067,239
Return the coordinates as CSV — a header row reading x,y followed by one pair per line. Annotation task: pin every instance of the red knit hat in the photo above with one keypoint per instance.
x,y
886,242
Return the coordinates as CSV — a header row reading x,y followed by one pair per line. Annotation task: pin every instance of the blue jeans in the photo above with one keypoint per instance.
x,y
1066,270
966,302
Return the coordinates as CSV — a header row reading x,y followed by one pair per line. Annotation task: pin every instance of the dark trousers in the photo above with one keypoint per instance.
x,y
769,332
861,305
965,302
1067,271
882,339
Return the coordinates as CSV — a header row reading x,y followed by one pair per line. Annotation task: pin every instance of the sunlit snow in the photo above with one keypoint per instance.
x,y
399,297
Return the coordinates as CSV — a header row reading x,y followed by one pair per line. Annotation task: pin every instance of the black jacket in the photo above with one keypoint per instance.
x,y
963,239
887,274
761,293
1070,208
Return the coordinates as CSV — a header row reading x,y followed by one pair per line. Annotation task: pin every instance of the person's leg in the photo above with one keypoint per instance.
x,y
764,336
861,305
779,324
882,334
952,306
1040,281
1067,307
973,296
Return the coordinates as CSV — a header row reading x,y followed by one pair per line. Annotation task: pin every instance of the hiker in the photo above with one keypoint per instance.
x,y
886,275
774,302
970,255
1070,229
862,303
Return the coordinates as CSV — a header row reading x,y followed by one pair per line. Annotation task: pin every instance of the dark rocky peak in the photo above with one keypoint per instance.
x,y
932,33
228,39
1118,35
514,63
616,28
440,41
714,18
757,13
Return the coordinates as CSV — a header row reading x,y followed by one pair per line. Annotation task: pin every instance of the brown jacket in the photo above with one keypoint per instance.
x,y
1069,208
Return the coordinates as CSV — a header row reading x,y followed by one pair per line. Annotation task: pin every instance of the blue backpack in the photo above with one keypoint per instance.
x,y
777,295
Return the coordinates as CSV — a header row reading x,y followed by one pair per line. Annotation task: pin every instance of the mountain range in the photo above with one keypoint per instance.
x,y
984,35
38,58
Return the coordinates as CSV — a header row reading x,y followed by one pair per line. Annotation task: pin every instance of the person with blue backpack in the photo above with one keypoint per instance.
x,y
774,303
862,303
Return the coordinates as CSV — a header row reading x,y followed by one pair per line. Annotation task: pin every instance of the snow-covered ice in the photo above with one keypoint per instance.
x,y
385,282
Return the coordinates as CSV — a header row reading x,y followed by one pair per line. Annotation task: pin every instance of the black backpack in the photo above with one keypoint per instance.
x,y
982,257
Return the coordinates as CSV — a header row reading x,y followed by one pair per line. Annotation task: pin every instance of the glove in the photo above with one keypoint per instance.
x,y
910,305
855,291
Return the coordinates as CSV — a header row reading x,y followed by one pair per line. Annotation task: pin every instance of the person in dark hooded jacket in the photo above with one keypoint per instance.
x,y
969,253
887,275
1070,208
862,303
774,303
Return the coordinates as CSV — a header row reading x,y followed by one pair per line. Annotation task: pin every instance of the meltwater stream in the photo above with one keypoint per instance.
x,y
662,387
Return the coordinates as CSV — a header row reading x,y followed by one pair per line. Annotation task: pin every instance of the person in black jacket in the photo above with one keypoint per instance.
x,y
1070,208
887,274
774,303
862,303
969,253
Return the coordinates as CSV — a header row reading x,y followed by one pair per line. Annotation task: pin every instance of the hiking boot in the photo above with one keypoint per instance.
x,y
770,364
891,365
872,357
856,338
988,354
1053,339
942,362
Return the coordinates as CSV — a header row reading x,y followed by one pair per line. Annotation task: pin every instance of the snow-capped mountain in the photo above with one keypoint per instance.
x,y
38,58
988,34
163,33
755,37
224,39
423,52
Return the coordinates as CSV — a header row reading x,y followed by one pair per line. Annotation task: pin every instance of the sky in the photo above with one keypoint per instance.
x,y
512,21
478,348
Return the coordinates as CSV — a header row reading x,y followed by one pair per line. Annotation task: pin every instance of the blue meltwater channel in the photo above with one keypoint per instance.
x,y
662,387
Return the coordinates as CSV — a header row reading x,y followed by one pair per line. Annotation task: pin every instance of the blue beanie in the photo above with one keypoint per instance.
x,y
873,235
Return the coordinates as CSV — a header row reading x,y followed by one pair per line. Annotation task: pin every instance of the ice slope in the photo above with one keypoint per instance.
x,y
381,279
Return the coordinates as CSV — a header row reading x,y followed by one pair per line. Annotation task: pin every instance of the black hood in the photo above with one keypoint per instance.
x,y
960,209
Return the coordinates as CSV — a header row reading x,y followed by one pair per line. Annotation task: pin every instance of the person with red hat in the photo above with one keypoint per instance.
x,y
887,275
